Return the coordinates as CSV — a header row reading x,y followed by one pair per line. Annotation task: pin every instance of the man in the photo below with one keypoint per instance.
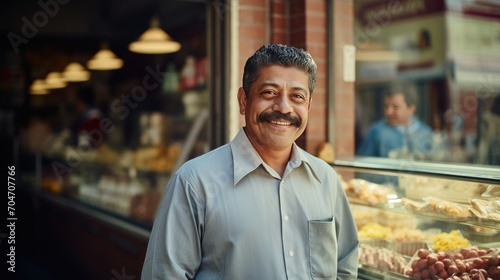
x,y
400,133
88,119
258,207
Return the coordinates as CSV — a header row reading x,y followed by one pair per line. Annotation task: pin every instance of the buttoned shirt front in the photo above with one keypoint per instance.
x,y
228,215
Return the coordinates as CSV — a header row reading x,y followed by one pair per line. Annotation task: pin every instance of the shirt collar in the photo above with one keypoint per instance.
x,y
414,126
246,159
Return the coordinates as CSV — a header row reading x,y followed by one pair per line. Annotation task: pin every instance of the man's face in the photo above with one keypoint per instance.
x,y
397,111
276,108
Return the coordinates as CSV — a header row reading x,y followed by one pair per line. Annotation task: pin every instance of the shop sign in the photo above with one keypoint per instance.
x,y
384,12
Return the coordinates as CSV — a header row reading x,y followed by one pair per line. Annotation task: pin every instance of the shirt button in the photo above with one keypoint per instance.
x,y
291,253
285,217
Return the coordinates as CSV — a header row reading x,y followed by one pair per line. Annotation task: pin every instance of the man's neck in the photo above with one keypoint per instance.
x,y
277,160
409,122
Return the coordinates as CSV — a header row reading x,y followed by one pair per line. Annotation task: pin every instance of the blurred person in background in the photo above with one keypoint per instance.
x,y
400,133
489,142
258,207
86,129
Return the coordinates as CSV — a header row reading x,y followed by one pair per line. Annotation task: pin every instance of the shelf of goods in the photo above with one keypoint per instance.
x,y
422,220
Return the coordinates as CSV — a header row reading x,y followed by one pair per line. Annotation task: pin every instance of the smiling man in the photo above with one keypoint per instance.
x,y
258,207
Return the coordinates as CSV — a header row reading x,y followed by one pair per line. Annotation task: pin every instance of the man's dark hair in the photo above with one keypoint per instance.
x,y
281,55
407,90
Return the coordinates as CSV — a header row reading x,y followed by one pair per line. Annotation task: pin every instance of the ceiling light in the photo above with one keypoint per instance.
x,y
105,59
75,72
55,80
154,41
38,87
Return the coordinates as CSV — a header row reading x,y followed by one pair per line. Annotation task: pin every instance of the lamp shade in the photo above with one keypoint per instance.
x,y
75,72
105,59
38,87
154,41
55,80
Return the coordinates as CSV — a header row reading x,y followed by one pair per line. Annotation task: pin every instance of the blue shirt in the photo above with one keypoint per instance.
x,y
383,138
228,215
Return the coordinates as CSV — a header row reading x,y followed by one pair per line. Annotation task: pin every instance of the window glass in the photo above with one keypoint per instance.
x,y
446,56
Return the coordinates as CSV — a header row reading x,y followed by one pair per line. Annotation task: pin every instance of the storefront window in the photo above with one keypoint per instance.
x,y
448,54
113,138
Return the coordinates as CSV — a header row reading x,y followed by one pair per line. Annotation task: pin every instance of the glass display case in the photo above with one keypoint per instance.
x,y
406,210
125,181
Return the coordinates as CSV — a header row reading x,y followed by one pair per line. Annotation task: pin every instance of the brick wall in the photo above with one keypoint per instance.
x,y
254,29
279,22
343,92
303,23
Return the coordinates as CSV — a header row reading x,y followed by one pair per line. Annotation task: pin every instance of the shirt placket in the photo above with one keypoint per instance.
x,y
289,251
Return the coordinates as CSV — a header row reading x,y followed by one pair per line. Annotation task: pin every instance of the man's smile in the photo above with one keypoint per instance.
x,y
281,123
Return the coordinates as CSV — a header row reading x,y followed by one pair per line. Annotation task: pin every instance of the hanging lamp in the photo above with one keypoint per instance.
x,y
38,87
54,80
104,60
154,41
75,72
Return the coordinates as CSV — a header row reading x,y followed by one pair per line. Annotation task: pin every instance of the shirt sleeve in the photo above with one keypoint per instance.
x,y
174,249
347,235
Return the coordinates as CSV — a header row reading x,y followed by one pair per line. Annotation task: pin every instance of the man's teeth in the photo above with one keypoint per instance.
x,y
281,123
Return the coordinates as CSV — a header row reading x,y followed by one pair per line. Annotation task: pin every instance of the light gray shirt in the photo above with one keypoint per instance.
x,y
228,215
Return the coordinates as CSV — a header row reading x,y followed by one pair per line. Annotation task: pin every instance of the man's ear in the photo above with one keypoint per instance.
x,y
309,105
242,100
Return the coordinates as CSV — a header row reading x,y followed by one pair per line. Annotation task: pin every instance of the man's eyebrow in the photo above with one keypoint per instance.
x,y
300,89
268,84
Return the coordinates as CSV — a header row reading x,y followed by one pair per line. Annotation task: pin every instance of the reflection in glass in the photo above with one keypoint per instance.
x,y
450,56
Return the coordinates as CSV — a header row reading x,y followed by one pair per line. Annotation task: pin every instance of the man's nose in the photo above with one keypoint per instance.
x,y
282,104
388,110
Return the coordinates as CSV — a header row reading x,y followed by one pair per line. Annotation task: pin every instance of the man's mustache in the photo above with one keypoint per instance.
x,y
275,115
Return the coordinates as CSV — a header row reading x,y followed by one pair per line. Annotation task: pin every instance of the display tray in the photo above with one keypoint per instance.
x,y
373,273
360,201
439,216
487,223
405,248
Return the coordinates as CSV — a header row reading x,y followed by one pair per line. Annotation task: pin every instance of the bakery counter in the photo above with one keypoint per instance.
x,y
403,208
73,239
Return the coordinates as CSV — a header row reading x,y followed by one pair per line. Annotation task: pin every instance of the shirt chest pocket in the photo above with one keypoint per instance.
x,y
322,246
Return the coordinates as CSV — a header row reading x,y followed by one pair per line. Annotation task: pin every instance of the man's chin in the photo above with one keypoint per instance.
x,y
392,122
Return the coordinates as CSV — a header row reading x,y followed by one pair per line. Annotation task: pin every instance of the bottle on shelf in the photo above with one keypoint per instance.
x,y
188,74
171,80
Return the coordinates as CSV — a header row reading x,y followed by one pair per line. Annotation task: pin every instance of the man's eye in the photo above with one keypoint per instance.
x,y
298,96
268,92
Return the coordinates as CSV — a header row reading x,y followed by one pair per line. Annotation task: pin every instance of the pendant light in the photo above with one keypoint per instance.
x,y
104,60
55,80
38,87
75,72
154,41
